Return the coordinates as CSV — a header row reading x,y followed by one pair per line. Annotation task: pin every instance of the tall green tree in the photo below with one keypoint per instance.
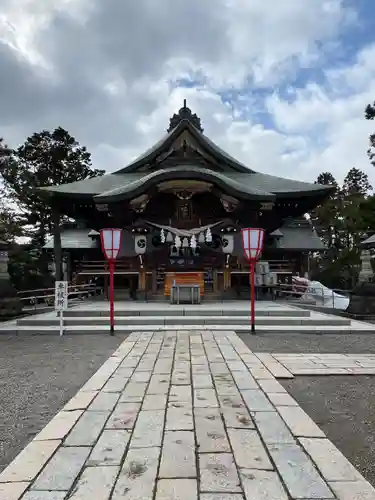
x,y
356,183
325,217
11,224
342,221
370,115
45,159
355,190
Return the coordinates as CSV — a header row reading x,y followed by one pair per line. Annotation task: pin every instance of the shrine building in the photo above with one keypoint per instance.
x,y
181,206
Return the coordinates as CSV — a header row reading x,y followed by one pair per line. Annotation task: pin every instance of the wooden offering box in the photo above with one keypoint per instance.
x,y
191,278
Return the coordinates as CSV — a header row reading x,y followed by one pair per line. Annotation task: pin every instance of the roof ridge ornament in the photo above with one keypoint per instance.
x,y
185,113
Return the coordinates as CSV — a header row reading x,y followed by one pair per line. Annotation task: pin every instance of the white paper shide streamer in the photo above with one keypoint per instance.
x,y
177,242
193,242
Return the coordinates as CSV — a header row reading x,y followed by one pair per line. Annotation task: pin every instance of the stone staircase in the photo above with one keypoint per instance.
x,y
271,318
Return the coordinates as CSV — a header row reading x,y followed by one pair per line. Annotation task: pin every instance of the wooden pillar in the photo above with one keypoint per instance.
x,y
154,284
214,281
227,278
142,279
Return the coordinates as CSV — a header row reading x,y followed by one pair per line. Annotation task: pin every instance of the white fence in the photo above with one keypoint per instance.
x,y
307,291
44,298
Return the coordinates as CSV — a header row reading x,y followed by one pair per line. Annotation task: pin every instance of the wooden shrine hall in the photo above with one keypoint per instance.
x,y
181,206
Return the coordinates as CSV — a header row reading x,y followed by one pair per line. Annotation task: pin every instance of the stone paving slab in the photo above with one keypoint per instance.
x,y
324,364
187,415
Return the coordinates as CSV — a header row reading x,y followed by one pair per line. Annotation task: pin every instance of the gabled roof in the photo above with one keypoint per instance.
x,y
165,142
301,238
298,234
74,238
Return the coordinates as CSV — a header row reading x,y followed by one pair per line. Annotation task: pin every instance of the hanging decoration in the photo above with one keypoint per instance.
x,y
177,242
162,236
169,238
193,242
185,243
201,238
208,236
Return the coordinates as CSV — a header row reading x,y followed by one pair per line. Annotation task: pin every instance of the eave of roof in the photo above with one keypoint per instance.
x,y
255,183
284,187
91,187
369,242
225,182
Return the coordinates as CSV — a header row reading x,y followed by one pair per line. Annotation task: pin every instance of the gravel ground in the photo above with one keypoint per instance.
x,y
38,376
341,344
344,408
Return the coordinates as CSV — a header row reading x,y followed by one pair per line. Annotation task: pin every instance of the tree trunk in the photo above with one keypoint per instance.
x,y
57,244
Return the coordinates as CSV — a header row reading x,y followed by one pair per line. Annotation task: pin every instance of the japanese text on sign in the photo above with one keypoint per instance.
x,y
61,295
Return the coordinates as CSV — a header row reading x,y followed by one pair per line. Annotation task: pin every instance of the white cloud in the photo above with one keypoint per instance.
x,y
332,115
111,67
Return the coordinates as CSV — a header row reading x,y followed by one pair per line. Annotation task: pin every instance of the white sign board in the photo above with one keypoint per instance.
x,y
61,295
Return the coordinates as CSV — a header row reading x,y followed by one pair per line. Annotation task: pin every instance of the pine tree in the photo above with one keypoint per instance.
x,y
45,159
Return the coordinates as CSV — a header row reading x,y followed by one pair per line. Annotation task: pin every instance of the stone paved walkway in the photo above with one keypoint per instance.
x,y
323,364
181,416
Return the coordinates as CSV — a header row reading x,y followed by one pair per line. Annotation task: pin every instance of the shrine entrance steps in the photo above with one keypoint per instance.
x,y
271,318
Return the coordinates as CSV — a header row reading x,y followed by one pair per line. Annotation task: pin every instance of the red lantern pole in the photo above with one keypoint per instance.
x,y
252,240
112,296
252,294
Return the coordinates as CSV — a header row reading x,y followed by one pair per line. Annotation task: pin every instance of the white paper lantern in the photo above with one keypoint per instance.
x,y
201,238
228,243
208,236
140,242
177,242
185,243
169,238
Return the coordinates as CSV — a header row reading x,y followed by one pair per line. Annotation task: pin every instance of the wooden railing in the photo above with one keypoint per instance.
x,y
277,266
45,297
92,267
281,265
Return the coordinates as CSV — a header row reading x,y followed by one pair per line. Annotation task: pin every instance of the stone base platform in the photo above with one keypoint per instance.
x,y
183,416
271,318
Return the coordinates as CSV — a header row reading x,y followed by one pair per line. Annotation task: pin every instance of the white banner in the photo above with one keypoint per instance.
x,y
61,295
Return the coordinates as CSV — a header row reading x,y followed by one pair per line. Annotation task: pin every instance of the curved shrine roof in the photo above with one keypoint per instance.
x,y
256,185
224,181
226,172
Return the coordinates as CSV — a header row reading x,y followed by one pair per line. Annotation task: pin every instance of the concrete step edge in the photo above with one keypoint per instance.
x,y
188,312
157,320
237,328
